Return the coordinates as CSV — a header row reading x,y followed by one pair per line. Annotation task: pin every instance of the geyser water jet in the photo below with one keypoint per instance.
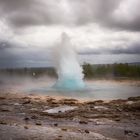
x,y
70,76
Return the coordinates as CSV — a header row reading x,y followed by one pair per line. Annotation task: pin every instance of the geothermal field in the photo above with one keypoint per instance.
x,y
69,69
67,105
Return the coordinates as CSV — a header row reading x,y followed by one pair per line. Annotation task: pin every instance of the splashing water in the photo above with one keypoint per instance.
x,y
70,76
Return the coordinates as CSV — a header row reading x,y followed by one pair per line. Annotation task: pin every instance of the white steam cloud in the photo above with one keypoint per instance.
x,y
69,71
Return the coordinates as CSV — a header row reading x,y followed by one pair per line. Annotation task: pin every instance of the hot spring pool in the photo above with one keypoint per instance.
x,y
94,90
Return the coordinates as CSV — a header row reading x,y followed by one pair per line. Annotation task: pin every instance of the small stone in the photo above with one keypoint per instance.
x,y
34,109
83,122
64,129
119,109
22,113
117,119
135,135
26,119
27,102
34,117
38,123
2,98
26,127
5,109
130,102
128,132
86,131
3,122
55,124
17,104
80,130
16,124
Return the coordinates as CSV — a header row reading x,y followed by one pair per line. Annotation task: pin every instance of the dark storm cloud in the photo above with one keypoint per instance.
x,y
20,13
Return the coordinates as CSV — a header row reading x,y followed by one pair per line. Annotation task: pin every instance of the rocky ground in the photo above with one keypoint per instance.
x,y
40,117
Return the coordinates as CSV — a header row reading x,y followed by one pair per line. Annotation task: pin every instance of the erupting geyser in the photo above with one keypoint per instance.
x,y
70,76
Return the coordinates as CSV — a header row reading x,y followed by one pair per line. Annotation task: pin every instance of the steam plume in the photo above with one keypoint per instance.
x,y
69,71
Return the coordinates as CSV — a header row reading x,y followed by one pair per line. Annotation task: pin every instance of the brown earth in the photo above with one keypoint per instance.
x,y
40,117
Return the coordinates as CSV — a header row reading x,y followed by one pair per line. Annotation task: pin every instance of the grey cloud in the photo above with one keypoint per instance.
x,y
24,13
103,13
7,59
14,55
133,48
4,45
20,12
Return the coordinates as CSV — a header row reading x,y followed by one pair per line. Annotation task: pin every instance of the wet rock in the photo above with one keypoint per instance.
x,y
3,122
46,107
69,101
5,109
119,109
26,127
64,129
55,124
37,98
131,133
2,98
60,109
50,100
129,102
17,104
118,102
38,123
76,119
34,117
135,135
134,98
83,122
22,113
27,102
133,107
117,119
128,132
86,131
90,103
100,108
79,130
34,109
15,124
98,102
26,118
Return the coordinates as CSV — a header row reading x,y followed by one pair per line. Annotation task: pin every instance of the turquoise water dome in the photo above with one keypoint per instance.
x,y
69,71
69,83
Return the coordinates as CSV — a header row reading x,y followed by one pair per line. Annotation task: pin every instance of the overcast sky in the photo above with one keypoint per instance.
x,y
103,28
